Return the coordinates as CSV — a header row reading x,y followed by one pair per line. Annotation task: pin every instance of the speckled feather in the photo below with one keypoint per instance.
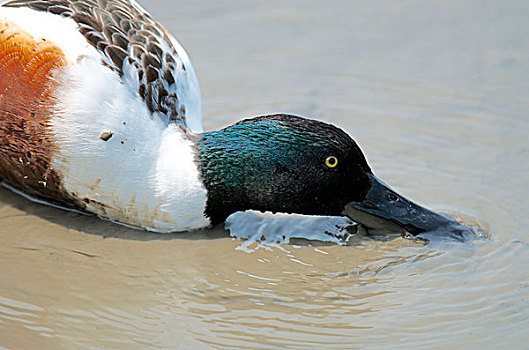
x,y
128,38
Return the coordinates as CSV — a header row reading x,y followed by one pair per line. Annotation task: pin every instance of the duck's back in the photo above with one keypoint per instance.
x,y
92,100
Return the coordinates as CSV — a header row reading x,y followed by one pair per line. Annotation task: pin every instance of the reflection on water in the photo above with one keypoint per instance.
x,y
435,94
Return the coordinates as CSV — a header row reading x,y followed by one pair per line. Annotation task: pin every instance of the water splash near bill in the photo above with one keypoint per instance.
x,y
254,226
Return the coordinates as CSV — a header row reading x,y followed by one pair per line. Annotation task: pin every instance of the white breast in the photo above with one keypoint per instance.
x,y
144,174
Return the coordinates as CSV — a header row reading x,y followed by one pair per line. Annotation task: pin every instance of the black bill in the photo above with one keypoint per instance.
x,y
385,210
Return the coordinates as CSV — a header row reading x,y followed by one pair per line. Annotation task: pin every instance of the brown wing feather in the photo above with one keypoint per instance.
x,y
127,35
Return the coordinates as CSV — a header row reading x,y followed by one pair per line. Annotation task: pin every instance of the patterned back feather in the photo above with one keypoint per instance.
x,y
130,40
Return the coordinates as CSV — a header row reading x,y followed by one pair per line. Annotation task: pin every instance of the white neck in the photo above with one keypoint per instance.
x,y
144,175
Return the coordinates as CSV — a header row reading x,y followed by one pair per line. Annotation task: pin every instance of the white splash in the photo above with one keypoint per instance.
x,y
254,226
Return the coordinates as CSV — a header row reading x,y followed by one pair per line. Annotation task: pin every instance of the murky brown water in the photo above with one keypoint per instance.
x,y
436,95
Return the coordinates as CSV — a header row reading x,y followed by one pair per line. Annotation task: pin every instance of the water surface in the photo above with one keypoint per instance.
x,y
436,96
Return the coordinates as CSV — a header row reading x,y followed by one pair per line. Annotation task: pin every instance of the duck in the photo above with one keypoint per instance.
x,y
100,112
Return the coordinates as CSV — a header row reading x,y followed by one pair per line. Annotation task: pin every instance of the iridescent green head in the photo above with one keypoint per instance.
x,y
285,163
281,163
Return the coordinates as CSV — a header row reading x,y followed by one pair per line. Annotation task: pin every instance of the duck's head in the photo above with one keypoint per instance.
x,y
285,163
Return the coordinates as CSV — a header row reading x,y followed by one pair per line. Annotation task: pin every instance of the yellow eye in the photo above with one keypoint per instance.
x,y
331,161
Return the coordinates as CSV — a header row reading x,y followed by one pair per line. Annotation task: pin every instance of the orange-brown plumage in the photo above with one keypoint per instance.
x,y
27,68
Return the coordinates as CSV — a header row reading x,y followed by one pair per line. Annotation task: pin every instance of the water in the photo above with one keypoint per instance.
x,y
436,96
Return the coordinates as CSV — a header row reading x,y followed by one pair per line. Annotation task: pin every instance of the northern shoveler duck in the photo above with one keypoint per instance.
x,y
100,111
